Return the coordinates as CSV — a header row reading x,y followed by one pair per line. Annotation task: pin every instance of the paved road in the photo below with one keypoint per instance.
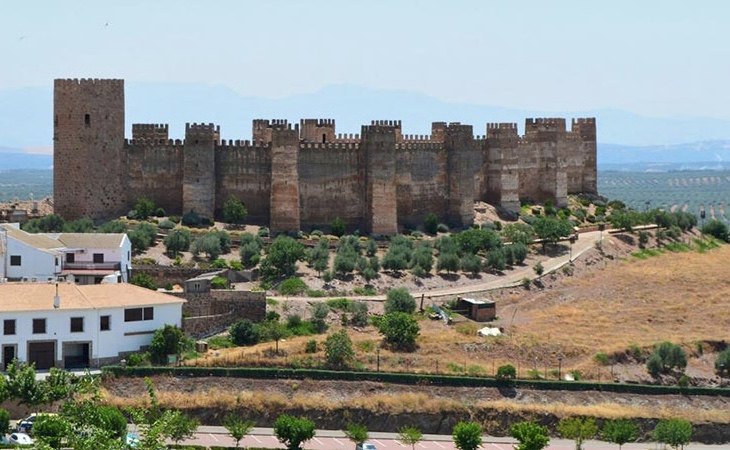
x,y
514,277
335,440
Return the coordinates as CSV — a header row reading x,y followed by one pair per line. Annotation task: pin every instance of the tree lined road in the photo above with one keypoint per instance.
x,y
335,440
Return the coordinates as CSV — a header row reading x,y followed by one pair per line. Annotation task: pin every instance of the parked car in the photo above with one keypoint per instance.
x,y
366,446
20,439
26,425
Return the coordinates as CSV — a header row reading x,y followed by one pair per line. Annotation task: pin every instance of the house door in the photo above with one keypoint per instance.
x,y
43,354
8,355
75,355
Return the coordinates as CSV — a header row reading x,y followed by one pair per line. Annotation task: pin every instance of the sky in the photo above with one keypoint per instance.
x,y
655,58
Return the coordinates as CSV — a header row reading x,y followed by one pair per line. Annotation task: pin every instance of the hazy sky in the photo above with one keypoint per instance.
x,y
651,57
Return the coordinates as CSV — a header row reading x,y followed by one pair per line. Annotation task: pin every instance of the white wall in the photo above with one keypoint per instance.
x,y
35,263
122,255
104,344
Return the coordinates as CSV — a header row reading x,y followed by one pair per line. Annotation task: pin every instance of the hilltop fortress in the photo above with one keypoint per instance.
x,y
303,176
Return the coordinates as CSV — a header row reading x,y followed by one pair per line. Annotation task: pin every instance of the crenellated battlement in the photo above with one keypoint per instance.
x,y
386,123
150,142
158,131
347,137
60,82
502,131
549,124
318,122
240,144
417,138
329,145
420,145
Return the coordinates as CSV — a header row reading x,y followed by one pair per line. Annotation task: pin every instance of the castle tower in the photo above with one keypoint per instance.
x,y
89,163
438,130
199,168
546,137
284,178
317,130
463,162
585,128
378,148
151,132
500,166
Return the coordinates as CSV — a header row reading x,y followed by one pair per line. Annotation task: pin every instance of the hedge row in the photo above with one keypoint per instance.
x,y
409,378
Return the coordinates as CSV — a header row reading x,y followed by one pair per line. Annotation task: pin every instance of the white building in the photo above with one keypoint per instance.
x,y
91,258
92,325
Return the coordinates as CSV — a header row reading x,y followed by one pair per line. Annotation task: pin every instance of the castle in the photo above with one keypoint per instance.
x,y
303,176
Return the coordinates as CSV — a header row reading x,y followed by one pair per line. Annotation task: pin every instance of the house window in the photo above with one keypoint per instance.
x,y
39,326
138,314
70,257
9,327
98,258
105,323
77,324
14,260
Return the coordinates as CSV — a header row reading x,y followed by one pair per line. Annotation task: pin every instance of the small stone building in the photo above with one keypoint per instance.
x,y
478,310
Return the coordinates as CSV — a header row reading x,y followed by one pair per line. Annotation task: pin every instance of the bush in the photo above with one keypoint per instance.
x,y
539,269
191,219
423,258
717,229
518,233
338,227
431,223
338,350
506,372
442,228
51,430
142,237
496,260
219,283
4,421
448,261
320,311
518,252
234,211
578,429
675,432
144,280
209,244
666,356
177,241
169,340
530,436
360,314
282,257
292,286
310,346
400,300
263,232
722,363
293,431
144,208
620,431
400,330
166,225
244,332
471,263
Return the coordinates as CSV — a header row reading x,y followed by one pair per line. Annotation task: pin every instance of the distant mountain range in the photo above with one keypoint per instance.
x,y
624,137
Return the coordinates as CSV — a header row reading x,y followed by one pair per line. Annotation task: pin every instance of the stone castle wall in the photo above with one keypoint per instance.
x,y
303,176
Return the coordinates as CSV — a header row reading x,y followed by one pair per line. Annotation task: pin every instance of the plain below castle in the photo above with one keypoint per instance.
x,y
303,176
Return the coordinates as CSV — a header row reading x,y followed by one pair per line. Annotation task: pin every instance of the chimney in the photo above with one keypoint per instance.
x,y
56,299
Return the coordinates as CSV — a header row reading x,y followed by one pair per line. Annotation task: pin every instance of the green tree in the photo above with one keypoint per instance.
x,y
620,432
674,432
144,280
275,331
234,211
496,259
22,385
281,258
177,241
113,226
337,226
144,208
471,263
292,286
83,225
448,261
578,429
530,436
722,363
550,229
400,300
356,432
293,431
52,223
410,436
4,421
519,252
168,340
209,244
399,254
181,427
518,233
474,240
400,330
142,236
670,355
360,314
237,427
244,332
716,229
250,250
345,259
423,257
319,256
51,430
467,435
338,350
320,311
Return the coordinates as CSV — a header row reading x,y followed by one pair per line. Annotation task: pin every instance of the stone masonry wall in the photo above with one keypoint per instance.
x,y
212,312
243,171
155,170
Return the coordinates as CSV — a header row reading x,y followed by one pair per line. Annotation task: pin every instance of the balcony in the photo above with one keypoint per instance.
x,y
105,266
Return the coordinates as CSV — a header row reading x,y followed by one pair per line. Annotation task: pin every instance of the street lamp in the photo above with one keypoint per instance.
x,y
572,241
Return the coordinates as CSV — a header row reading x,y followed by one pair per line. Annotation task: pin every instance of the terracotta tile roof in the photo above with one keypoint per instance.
x,y
15,297
91,240
41,241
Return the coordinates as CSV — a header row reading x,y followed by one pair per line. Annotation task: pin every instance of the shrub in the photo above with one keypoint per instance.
x,y
338,227
496,260
209,244
320,311
51,430
142,237
722,363
244,332
282,257
717,229
506,372
474,240
423,258
338,350
219,263
234,211
619,431
539,269
578,429
471,263
400,330
667,356
166,224
263,232
293,431
431,223
191,219
292,286
530,436
144,208
602,358
518,233
442,228
675,432
169,340
219,283
310,346
400,300
144,280
448,261
360,314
